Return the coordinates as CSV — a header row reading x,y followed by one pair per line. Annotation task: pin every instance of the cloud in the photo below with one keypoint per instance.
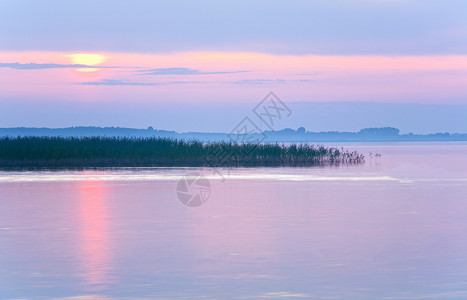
x,y
126,82
114,82
119,82
34,66
259,81
263,81
183,71
309,74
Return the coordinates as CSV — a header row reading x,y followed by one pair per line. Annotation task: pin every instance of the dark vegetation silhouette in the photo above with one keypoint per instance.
x,y
88,152
382,134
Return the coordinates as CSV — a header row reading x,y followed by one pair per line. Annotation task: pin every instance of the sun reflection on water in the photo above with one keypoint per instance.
x,y
94,236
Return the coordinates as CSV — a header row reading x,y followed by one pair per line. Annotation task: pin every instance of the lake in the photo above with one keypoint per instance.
x,y
393,228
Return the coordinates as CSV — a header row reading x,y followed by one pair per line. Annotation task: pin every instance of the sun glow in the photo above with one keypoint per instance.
x,y
88,59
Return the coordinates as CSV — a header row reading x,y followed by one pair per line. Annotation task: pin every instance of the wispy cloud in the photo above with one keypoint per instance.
x,y
119,82
114,82
183,71
34,66
282,295
265,81
259,81
309,74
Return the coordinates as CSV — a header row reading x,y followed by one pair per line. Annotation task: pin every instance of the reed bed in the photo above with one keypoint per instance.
x,y
95,152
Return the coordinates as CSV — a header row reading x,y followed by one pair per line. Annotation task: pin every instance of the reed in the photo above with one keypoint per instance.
x,y
89,152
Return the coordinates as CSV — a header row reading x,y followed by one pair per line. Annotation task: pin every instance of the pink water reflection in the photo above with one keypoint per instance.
x,y
94,233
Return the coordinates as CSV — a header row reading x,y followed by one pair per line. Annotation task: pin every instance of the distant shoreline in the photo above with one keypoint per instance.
x,y
287,135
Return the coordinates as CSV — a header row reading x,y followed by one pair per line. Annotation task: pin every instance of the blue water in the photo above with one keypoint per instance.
x,y
394,228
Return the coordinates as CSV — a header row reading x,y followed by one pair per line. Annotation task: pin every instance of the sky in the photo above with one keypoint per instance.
x,y
204,65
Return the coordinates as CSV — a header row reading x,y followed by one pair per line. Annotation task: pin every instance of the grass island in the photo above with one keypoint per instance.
x,y
96,152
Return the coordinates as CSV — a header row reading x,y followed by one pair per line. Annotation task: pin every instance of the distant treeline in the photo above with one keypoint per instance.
x,y
382,134
89,152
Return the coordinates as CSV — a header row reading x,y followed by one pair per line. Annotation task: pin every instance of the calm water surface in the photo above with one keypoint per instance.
x,y
394,228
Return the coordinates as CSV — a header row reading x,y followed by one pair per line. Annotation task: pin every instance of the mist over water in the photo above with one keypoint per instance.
x,y
392,228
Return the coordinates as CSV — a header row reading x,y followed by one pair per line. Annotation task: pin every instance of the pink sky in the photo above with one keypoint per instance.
x,y
236,77
190,65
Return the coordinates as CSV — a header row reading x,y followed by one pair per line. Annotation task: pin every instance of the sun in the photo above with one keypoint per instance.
x,y
88,59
